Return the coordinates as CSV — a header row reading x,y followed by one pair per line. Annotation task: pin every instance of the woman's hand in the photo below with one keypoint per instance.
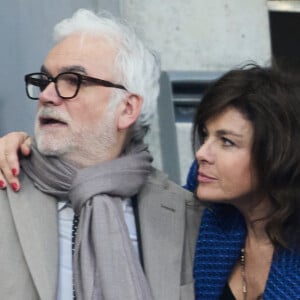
x,y
10,145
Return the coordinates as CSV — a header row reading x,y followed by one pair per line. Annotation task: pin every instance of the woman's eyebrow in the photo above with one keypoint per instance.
x,y
221,132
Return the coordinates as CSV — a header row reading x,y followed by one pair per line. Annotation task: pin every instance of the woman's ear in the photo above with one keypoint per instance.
x,y
129,111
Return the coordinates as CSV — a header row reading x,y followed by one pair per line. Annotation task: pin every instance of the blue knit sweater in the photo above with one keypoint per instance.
x,y
222,234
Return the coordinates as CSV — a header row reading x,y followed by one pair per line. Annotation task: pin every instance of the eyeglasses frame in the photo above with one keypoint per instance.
x,y
28,79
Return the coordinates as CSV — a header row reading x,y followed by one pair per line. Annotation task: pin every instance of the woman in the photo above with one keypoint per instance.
x,y
248,128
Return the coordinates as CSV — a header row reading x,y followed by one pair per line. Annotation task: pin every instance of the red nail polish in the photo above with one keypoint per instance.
x,y
2,184
14,186
14,171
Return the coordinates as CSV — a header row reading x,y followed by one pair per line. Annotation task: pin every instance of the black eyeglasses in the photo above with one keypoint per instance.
x,y
67,84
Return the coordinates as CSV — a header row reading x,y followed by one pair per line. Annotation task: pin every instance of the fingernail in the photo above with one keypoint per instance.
x,y
2,184
14,171
14,186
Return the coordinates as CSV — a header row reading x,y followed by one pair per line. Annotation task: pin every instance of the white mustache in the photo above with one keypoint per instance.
x,y
49,112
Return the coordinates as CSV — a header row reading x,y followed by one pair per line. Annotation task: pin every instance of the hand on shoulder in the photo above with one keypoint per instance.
x,y
10,146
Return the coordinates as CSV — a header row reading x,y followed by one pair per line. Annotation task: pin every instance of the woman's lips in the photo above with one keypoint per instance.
x,y
202,177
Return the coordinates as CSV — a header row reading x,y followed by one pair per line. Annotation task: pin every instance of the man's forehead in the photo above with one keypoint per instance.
x,y
83,45
82,50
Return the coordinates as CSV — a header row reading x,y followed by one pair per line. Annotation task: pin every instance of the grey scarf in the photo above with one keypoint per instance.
x,y
105,265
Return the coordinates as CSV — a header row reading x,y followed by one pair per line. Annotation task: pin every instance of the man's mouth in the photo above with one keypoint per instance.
x,y
51,121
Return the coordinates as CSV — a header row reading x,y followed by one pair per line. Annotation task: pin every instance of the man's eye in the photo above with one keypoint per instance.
x,y
84,82
70,80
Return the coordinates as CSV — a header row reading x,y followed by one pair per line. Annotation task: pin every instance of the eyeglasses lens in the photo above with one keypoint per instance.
x,y
36,83
67,84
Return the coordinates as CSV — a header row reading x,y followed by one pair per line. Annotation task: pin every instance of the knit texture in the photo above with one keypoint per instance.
x,y
221,236
191,179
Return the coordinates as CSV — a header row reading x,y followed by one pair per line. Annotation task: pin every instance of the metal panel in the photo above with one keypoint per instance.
x,y
187,90
167,130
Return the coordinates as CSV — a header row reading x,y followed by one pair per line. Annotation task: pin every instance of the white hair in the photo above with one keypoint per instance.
x,y
136,66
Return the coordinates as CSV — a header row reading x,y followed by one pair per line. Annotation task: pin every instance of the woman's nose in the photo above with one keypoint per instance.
x,y
205,152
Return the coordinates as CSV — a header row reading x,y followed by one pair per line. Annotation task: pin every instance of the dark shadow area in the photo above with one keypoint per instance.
x,y
285,40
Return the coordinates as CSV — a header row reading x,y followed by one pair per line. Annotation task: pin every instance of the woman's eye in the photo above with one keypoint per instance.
x,y
226,142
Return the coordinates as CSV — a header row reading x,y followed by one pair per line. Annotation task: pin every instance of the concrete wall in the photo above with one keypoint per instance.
x,y
203,34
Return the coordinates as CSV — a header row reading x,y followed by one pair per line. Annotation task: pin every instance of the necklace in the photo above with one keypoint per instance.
x,y
243,273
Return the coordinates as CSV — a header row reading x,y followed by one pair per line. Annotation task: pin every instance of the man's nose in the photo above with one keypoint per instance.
x,y
49,95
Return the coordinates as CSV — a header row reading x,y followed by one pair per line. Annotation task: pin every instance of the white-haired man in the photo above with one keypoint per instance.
x,y
89,168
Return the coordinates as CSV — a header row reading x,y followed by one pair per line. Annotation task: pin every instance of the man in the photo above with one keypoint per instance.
x,y
96,94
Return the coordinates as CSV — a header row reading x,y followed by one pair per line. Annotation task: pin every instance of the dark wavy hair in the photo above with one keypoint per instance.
x,y
270,101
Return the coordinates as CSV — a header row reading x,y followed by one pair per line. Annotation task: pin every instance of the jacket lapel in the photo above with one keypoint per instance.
x,y
162,223
34,214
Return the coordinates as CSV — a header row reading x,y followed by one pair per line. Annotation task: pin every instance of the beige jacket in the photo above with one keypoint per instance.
x,y
169,220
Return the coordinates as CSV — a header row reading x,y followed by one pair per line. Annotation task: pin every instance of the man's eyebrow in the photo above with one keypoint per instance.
x,y
73,68
43,69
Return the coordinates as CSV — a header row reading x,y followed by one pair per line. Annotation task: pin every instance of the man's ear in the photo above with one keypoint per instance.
x,y
129,111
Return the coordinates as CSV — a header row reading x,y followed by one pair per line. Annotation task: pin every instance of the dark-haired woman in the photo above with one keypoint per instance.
x,y
248,129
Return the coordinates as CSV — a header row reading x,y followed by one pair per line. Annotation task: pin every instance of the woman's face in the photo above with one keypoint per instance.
x,y
225,171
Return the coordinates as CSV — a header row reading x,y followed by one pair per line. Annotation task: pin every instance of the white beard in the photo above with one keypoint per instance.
x,y
83,146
